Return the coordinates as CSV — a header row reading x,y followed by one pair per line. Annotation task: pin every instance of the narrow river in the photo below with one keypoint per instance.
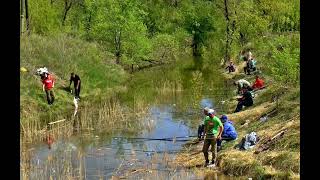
x,y
174,96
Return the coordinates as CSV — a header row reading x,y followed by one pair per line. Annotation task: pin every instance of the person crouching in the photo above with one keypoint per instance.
x,y
229,132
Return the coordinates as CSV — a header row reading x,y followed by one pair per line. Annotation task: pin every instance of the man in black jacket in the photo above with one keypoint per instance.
x,y
245,100
77,84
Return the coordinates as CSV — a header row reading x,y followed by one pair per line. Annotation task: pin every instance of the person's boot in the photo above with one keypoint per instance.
x,y
206,157
212,164
206,163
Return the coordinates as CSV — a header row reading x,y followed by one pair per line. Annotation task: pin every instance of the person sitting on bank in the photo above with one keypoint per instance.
x,y
250,67
213,129
229,132
258,84
231,67
77,84
201,126
245,100
242,83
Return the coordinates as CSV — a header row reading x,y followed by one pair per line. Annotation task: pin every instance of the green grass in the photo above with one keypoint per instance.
x,y
62,55
282,159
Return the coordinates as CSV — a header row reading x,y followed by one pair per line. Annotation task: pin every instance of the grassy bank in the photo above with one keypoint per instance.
x,y
281,160
100,77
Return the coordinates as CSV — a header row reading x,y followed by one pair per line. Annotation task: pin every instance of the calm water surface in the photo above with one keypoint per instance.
x,y
175,96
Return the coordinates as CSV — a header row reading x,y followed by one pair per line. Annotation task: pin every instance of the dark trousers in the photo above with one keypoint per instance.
x,y
241,104
224,137
248,70
231,69
50,96
200,130
241,89
77,91
209,141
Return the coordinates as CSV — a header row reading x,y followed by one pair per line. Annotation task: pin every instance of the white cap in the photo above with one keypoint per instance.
x,y
206,109
211,111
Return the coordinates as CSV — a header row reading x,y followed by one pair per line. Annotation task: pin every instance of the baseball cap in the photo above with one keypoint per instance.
x,y
211,111
223,118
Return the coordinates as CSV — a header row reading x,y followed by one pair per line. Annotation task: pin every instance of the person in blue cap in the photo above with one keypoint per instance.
x,y
229,132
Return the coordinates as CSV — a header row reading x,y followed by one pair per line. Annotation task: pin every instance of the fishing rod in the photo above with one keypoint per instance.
x,y
151,152
179,138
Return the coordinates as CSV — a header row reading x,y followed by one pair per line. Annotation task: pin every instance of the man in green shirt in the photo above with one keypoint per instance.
x,y
213,129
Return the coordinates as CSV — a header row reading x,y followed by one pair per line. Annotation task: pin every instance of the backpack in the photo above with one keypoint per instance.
x,y
249,140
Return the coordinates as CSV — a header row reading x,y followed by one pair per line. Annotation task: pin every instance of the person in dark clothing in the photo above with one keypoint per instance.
x,y
245,100
77,84
231,67
201,126
251,66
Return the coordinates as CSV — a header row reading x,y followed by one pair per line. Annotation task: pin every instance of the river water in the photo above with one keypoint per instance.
x,y
175,96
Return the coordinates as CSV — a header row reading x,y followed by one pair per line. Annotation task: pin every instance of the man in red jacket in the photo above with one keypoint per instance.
x,y
258,84
48,84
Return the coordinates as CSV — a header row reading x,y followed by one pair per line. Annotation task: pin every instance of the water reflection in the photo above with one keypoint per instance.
x,y
175,100
206,102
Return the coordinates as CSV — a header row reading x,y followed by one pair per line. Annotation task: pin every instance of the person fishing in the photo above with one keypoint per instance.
x,y
250,66
241,84
47,86
258,84
229,132
245,100
201,126
231,67
213,129
77,84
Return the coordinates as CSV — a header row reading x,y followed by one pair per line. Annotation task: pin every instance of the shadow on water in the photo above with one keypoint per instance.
x,y
174,96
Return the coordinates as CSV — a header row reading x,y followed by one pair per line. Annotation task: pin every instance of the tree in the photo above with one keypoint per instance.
x,y
27,16
21,15
199,22
67,6
165,48
120,25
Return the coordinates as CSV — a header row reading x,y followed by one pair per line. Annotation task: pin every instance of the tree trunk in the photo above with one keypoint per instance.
x,y
21,16
118,46
195,47
227,50
27,16
66,10
88,25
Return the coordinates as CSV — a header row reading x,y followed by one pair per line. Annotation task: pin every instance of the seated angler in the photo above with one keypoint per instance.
x,y
246,100
229,132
